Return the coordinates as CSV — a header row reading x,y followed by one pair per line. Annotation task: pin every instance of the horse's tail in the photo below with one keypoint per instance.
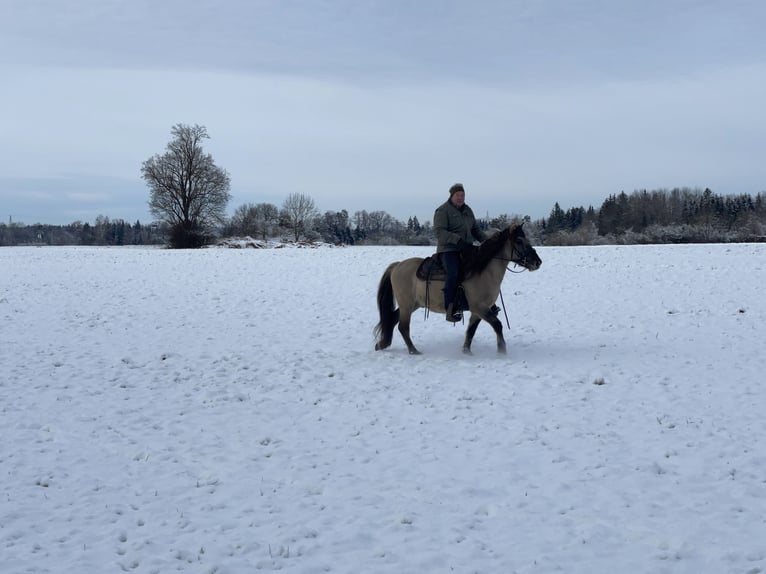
x,y
389,316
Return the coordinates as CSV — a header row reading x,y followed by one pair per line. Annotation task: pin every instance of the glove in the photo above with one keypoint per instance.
x,y
466,249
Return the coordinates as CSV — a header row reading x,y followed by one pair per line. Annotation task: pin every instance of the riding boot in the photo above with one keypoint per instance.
x,y
452,315
451,262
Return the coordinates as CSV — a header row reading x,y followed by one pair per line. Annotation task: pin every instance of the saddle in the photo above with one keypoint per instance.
x,y
431,269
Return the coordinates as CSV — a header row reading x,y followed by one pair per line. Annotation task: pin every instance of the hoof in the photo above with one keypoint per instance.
x,y
414,351
467,351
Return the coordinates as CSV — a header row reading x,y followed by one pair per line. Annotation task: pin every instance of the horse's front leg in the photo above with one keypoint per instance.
x,y
473,324
498,328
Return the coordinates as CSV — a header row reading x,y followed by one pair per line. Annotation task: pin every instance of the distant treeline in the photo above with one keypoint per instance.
x,y
680,215
103,232
660,216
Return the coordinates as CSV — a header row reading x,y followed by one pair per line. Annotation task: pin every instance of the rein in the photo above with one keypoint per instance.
x,y
522,260
427,309
508,268
505,311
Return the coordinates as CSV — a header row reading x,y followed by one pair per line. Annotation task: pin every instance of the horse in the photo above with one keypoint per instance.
x,y
481,285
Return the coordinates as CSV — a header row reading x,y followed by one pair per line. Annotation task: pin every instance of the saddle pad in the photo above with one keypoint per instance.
x,y
431,269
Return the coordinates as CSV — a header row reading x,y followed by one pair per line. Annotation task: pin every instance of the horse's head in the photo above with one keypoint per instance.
x,y
522,252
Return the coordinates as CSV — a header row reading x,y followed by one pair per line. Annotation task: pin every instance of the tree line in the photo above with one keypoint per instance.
x,y
681,215
260,221
189,196
298,219
103,231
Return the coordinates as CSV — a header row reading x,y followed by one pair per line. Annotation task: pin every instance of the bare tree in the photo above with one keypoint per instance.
x,y
298,210
255,219
243,220
188,190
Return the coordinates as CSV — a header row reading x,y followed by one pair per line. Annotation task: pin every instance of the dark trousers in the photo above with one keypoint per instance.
x,y
451,263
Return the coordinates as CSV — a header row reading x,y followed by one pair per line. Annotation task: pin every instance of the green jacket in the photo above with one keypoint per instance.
x,y
452,224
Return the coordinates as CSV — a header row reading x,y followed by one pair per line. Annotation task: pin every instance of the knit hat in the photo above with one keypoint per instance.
x,y
455,188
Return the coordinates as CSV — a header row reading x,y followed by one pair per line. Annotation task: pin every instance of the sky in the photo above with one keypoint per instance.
x,y
380,105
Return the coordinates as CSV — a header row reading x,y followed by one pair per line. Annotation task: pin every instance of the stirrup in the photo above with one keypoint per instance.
x,y
456,317
453,314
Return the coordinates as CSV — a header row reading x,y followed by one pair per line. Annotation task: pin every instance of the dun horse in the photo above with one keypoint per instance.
x,y
481,286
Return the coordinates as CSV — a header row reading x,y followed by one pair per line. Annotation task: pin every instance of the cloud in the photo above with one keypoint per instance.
x,y
381,106
60,200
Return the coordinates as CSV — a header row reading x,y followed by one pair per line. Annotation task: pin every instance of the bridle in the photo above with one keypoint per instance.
x,y
521,259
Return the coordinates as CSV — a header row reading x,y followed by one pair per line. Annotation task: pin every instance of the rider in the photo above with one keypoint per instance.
x,y
456,228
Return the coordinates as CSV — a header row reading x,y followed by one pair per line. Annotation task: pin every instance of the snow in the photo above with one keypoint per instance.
x,y
223,411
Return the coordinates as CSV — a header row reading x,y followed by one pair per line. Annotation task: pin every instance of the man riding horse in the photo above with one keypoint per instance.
x,y
456,228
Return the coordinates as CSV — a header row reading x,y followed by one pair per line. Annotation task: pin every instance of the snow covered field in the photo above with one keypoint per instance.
x,y
223,411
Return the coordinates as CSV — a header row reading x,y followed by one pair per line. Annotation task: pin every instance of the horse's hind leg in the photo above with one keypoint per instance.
x,y
404,329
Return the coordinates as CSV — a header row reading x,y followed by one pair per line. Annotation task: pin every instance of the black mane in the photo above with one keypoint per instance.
x,y
488,249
